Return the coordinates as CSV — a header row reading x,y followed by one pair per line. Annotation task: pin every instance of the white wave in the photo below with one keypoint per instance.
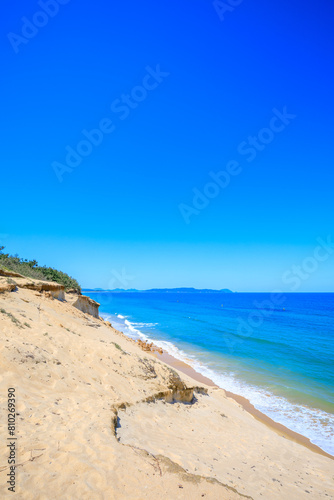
x,y
107,316
315,424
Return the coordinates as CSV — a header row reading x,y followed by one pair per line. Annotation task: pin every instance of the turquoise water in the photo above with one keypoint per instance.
x,y
277,351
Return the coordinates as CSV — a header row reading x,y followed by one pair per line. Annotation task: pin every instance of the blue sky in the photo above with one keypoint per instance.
x,y
197,93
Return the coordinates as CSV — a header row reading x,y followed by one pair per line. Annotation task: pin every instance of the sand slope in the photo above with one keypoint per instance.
x,y
86,431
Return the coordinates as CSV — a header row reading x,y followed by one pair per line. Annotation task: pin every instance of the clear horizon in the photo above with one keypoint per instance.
x,y
189,288
161,146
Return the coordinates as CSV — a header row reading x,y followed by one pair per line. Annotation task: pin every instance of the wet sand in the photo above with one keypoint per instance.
x,y
245,403
95,419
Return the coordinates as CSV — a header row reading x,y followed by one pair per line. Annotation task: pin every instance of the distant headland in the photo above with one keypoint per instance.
x,y
160,290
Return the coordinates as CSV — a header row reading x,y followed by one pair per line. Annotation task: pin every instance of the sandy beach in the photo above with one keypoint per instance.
x,y
98,418
245,403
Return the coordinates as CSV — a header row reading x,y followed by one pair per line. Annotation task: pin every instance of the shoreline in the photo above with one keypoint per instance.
x,y
245,403
280,429
94,418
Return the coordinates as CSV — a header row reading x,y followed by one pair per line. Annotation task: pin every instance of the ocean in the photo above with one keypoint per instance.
x,y
277,351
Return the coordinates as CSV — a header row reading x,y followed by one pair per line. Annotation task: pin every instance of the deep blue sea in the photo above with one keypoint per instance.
x,y
277,351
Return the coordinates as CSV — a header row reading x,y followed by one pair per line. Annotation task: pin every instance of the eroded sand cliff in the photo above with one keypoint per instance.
x,y
98,418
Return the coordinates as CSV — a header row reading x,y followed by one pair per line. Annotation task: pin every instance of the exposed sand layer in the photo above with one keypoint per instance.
x,y
93,421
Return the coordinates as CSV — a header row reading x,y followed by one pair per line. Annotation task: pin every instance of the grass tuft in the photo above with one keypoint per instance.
x,y
12,317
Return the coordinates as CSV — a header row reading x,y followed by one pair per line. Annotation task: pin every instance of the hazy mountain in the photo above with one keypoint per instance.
x,y
160,290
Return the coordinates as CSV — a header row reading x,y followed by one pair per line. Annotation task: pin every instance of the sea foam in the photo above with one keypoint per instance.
x,y
315,424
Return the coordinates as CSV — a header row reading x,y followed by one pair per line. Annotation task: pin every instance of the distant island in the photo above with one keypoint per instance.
x,y
160,290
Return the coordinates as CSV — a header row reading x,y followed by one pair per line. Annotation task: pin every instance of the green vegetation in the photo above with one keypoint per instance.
x,y
118,347
31,269
12,317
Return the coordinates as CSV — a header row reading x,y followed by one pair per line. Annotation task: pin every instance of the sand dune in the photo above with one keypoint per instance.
x,y
93,421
